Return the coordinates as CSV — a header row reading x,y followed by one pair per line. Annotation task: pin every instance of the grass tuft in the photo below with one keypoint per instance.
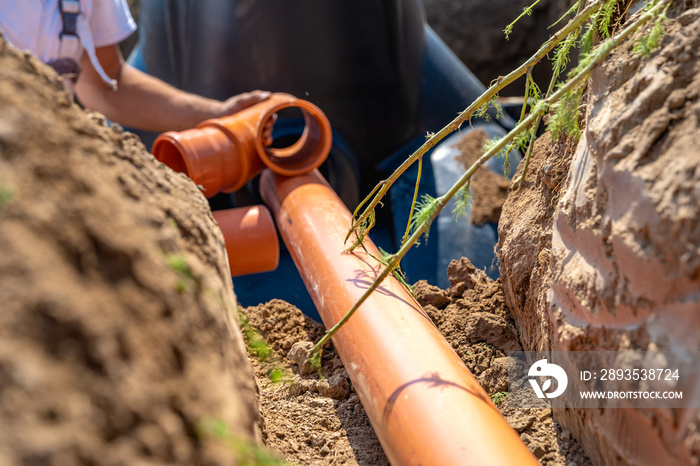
x,y
7,195
245,452
498,398
186,277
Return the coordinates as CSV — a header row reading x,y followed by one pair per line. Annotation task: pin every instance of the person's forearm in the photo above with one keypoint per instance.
x,y
144,102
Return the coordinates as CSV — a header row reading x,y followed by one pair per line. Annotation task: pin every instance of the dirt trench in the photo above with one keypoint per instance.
x,y
118,344
118,335
312,420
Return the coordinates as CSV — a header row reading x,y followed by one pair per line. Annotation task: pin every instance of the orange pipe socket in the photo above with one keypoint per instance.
x,y
251,239
424,404
223,154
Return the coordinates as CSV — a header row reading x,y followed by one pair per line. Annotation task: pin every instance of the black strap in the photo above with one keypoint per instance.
x,y
70,21
67,67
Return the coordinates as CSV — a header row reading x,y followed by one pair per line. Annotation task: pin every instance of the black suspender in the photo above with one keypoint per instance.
x,y
66,65
70,10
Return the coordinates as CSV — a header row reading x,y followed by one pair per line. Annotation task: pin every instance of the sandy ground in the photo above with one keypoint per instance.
x,y
306,419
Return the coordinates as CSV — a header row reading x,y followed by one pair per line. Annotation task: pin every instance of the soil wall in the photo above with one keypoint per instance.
x,y
116,336
604,255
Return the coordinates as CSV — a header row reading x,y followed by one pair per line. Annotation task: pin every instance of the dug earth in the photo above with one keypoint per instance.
x,y
117,338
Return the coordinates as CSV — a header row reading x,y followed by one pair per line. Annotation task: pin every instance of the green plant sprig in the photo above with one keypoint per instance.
x,y
527,11
261,349
374,198
7,195
575,7
245,452
413,203
498,398
532,96
585,44
649,42
558,68
437,204
464,202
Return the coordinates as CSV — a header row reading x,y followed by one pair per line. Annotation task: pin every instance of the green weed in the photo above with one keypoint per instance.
x,y
424,214
483,111
566,114
649,42
254,340
246,452
258,347
527,11
463,202
498,398
7,195
186,278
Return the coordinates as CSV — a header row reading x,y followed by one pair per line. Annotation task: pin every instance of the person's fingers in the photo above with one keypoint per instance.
x,y
267,131
251,98
247,99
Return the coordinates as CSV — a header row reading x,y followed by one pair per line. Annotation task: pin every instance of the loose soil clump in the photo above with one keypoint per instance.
x,y
307,419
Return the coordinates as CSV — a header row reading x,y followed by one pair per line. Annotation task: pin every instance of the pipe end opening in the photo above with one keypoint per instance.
x,y
167,150
294,154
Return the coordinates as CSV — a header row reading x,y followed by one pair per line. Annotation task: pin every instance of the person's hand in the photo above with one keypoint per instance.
x,y
248,99
242,101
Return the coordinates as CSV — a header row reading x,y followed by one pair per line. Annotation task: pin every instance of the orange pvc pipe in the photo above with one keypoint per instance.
x,y
251,239
223,154
424,404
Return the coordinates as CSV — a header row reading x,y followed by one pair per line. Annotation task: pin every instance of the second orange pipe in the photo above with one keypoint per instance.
x,y
424,404
250,237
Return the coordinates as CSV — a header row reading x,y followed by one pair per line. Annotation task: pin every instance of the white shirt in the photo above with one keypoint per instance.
x,y
35,25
